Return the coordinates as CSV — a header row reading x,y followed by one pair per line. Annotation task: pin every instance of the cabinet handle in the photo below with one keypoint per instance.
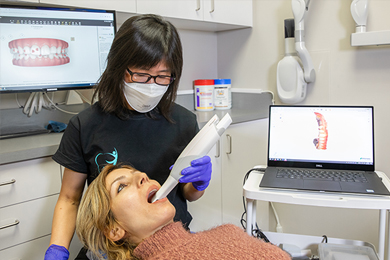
x,y
197,5
230,144
212,7
10,225
7,182
218,153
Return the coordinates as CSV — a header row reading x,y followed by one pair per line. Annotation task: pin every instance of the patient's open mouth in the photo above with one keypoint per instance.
x,y
151,194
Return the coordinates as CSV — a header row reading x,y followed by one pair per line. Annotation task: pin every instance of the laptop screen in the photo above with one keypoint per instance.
x,y
331,137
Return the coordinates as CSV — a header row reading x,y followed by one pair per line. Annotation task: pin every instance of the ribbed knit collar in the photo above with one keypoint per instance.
x,y
171,235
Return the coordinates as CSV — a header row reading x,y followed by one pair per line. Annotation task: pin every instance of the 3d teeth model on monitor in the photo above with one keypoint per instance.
x,y
38,52
322,140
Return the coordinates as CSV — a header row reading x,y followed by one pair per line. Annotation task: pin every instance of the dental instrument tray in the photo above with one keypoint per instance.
x,y
346,252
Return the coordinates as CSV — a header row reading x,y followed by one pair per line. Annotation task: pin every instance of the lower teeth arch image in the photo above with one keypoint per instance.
x,y
39,52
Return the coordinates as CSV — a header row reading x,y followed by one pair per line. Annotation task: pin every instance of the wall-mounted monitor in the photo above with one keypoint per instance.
x,y
47,49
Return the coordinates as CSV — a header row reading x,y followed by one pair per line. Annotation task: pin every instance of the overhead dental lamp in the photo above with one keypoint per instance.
x,y
296,69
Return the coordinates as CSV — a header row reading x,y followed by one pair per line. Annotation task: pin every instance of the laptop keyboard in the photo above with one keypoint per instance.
x,y
325,175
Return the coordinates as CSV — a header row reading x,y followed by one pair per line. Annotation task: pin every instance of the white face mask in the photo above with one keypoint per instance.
x,y
144,97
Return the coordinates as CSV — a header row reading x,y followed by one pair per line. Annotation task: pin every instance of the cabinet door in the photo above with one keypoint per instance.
x,y
35,219
207,211
33,250
244,146
183,9
28,180
229,12
118,5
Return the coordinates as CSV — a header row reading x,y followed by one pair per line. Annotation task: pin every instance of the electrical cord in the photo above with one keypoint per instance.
x,y
256,232
17,101
62,110
38,100
35,102
279,227
273,95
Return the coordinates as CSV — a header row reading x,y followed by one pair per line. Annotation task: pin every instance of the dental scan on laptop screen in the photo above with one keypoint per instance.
x,y
322,148
328,135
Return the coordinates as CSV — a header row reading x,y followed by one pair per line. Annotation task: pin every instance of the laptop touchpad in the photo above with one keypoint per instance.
x,y
321,185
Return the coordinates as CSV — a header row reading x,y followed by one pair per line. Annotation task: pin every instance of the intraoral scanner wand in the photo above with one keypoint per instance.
x,y
199,146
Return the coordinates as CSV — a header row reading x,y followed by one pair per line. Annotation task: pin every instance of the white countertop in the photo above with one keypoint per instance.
x,y
246,107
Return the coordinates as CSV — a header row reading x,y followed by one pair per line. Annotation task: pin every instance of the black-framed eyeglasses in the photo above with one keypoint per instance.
x,y
145,77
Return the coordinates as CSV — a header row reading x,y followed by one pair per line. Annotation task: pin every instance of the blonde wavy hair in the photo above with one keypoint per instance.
x,y
95,220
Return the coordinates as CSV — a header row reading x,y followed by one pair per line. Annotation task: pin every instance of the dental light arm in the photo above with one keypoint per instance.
x,y
290,81
199,146
300,8
359,11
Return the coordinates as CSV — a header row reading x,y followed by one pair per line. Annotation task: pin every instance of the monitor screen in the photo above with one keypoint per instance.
x,y
48,49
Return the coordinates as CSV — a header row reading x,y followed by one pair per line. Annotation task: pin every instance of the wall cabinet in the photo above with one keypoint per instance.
x,y
118,5
217,11
227,11
241,147
207,15
191,9
28,194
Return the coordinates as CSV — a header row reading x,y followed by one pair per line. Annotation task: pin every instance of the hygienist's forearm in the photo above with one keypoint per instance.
x,y
64,222
190,193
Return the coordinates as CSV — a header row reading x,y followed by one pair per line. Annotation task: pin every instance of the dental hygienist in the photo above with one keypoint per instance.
x,y
134,122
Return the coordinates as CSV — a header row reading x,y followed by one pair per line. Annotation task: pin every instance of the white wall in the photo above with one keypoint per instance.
x,y
345,75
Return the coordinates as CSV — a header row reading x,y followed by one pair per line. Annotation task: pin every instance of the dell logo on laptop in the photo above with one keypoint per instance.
x,y
319,165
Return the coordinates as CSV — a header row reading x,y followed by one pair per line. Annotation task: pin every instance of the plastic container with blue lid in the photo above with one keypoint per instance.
x,y
222,94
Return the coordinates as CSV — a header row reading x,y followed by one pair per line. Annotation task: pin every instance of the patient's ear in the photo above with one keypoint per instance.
x,y
116,233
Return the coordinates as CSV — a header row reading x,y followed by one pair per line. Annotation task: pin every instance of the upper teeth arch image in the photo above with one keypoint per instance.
x,y
322,140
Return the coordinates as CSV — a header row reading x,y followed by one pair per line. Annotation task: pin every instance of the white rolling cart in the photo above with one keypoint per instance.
x,y
252,193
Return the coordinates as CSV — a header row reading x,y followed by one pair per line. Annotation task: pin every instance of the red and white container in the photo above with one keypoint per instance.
x,y
204,94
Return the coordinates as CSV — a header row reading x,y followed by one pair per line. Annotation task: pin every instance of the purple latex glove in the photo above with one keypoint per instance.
x,y
199,173
55,252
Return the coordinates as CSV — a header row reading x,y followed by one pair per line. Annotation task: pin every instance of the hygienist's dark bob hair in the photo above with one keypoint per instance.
x,y
141,42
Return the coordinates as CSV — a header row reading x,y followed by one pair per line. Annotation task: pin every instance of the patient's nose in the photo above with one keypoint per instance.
x,y
142,178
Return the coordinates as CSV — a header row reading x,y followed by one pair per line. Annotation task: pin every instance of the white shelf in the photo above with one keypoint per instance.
x,y
370,38
328,199
305,242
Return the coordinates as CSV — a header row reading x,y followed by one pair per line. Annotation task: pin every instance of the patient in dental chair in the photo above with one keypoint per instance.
x,y
117,221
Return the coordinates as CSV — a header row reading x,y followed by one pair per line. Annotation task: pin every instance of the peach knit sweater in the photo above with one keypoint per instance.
x,y
223,242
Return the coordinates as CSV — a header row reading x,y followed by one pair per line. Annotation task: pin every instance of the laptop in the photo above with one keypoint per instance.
x,y
322,148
